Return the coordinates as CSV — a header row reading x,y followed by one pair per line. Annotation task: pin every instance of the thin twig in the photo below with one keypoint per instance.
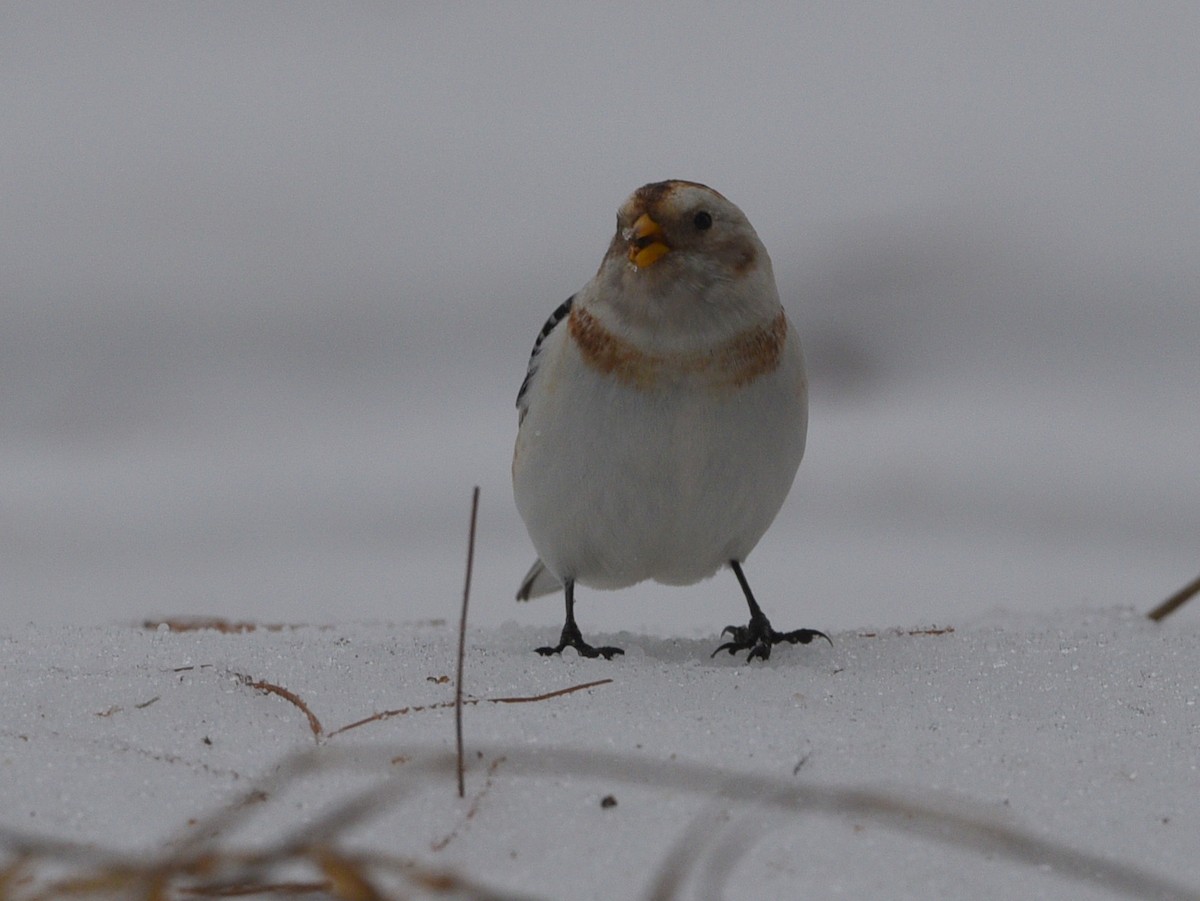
x,y
462,643
290,696
466,702
548,695
1175,601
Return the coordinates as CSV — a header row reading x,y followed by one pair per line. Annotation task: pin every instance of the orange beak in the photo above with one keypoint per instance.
x,y
646,246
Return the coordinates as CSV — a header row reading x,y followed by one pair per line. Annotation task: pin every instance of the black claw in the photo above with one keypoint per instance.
x,y
802,636
758,638
760,650
584,649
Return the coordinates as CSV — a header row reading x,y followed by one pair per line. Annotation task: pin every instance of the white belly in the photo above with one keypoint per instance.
x,y
618,484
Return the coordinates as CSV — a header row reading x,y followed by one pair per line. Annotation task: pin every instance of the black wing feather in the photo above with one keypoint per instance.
x,y
551,324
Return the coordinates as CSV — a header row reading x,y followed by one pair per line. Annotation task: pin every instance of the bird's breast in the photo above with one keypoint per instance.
x,y
731,363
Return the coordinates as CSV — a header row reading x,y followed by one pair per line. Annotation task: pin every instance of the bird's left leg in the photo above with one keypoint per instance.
x,y
758,636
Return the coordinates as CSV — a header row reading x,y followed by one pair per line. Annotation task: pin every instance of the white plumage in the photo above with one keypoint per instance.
x,y
664,412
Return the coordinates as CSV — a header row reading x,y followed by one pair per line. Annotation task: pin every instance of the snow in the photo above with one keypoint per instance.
x,y
1072,739
270,280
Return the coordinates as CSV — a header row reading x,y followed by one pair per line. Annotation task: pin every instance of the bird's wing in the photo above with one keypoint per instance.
x,y
551,324
537,582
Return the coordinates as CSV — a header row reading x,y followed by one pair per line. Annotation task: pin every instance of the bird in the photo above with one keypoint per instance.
x,y
663,414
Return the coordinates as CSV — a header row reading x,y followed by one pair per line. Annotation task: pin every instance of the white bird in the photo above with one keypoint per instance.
x,y
663,414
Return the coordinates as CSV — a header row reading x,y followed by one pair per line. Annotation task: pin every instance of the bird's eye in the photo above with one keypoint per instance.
x,y
702,220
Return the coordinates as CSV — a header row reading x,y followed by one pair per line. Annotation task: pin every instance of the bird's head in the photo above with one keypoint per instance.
x,y
681,250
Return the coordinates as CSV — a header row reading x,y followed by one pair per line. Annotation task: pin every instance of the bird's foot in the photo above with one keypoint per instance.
x,y
758,637
571,638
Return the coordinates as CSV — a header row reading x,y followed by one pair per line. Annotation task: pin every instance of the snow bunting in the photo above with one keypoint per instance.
x,y
663,414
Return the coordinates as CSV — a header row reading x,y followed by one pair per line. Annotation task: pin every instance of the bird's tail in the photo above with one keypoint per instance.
x,y
537,582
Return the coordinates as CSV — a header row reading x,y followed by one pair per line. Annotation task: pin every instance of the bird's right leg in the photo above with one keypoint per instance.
x,y
571,636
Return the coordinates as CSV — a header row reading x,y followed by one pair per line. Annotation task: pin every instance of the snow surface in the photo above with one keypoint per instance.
x,y
1080,730
269,277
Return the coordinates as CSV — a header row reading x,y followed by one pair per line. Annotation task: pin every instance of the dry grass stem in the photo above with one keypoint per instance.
x,y
462,642
548,695
916,633
291,697
202,866
466,702
1175,601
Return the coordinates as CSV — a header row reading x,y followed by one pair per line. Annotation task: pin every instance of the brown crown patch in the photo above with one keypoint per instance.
x,y
648,197
733,363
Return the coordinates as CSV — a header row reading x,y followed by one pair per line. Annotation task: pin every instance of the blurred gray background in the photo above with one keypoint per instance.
x,y
270,273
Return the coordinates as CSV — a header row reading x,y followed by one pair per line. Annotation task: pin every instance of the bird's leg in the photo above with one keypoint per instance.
x,y
571,636
758,637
